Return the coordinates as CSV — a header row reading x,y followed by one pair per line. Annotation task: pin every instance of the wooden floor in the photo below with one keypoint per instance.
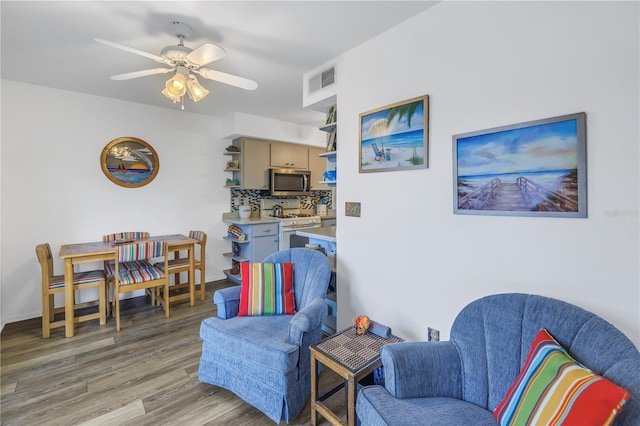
x,y
146,374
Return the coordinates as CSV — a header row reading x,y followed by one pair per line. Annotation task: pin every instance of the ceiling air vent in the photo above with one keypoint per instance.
x,y
324,79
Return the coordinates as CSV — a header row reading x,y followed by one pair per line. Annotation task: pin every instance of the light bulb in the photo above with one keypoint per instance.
x,y
177,85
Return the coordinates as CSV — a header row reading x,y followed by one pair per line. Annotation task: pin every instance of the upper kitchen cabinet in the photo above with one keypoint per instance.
x,y
287,155
254,163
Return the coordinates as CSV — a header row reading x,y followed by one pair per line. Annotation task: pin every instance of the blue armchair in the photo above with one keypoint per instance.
x,y
265,360
461,381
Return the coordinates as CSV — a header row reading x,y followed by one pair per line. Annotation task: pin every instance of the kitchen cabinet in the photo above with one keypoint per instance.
x,y
261,240
288,155
317,165
254,163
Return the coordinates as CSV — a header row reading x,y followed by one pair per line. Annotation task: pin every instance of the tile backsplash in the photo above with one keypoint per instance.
x,y
254,197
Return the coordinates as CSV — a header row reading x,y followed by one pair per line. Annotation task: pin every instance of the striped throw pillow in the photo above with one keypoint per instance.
x,y
554,389
266,289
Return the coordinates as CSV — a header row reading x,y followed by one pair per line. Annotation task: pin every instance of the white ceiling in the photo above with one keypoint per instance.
x,y
51,43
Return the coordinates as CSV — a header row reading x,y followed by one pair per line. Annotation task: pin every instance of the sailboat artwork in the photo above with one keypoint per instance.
x,y
129,162
395,137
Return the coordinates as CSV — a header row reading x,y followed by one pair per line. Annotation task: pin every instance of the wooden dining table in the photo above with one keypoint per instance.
x,y
100,251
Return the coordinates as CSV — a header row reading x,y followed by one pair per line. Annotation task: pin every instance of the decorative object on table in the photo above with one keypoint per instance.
x,y
379,329
244,211
361,324
537,168
129,162
395,137
232,165
235,232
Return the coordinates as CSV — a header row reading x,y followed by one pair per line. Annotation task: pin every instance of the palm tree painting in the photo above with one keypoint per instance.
x,y
394,137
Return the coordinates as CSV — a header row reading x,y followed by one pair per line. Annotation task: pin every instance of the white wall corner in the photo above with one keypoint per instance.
x,y
239,124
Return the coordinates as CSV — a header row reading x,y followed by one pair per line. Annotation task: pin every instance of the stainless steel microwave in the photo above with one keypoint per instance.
x,y
289,182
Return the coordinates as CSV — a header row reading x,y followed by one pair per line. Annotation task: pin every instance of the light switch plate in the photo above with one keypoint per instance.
x,y
352,209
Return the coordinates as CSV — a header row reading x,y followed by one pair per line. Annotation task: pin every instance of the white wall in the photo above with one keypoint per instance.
x,y
409,262
53,188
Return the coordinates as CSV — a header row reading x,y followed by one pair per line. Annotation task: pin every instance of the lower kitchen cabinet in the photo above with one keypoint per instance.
x,y
261,240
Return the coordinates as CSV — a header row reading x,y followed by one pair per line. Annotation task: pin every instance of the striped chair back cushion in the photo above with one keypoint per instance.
x,y
196,235
125,236
141,251
110,268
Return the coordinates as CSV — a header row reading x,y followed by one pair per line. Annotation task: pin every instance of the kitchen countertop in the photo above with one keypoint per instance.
x,y
234,217
324,234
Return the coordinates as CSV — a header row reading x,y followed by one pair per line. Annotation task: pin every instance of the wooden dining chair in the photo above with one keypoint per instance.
x,y
109,266
52,284
134,271
181,264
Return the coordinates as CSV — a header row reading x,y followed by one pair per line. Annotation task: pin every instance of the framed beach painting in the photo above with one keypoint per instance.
x,y
129,162
537,168
395,137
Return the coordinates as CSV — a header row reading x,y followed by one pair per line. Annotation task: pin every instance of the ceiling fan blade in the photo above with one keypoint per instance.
x,y
206,54
132,50
144,73
234,80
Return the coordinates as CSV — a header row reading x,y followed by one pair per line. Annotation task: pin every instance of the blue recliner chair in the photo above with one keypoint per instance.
x,y
461,381
265,360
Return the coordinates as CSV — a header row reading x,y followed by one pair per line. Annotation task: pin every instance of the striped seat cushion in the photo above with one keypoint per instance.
x,y
57,281
126,266
136,276
552,389
177,263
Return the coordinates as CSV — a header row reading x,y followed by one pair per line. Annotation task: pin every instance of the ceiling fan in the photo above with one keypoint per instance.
x,y
184,62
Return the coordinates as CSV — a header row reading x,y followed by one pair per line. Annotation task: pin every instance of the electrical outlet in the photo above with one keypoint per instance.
x,y
433,335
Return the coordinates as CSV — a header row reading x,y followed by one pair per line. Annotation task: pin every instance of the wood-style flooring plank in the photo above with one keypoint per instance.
x,y
146,374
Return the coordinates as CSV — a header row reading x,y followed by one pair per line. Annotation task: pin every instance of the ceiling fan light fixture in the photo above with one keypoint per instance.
x,y
177,85
195,90
171,96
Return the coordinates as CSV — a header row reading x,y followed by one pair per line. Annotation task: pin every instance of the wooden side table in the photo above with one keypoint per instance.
x,y
352,357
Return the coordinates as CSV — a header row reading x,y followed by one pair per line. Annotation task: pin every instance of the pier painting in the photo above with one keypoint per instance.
x,y
536,168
